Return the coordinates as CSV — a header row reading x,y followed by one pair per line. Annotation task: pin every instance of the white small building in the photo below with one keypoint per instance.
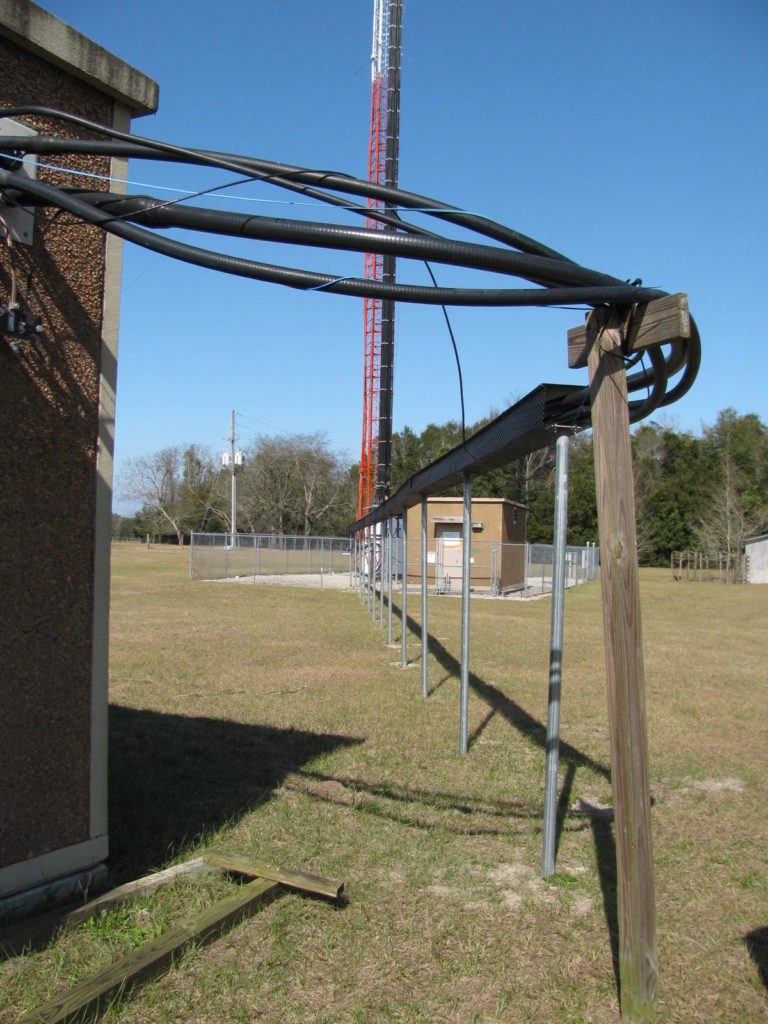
x,y
756,552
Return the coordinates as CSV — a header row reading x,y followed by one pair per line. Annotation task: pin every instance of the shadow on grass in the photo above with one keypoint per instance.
x,y
564,803
757,944
605,847
423,808
499,702
173,779
570,757
440,683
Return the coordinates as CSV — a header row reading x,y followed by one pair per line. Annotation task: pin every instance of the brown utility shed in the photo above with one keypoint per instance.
x,y
57,406
498,544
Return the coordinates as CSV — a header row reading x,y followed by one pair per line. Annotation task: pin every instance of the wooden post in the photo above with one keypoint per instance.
x,y
638,958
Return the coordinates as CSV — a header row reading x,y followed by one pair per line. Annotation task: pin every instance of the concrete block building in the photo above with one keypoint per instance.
x,y
498,544
57,401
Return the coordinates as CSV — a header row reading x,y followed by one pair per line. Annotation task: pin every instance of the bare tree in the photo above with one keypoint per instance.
x,y
728,521
267,485
323,482
154,480
295,484
173,485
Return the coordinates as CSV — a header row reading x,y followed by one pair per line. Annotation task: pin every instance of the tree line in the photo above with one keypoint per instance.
x,y
706,493
291,484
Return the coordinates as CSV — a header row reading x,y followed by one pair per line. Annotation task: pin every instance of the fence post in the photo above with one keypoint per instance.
x,y
555,651
543,567
638,955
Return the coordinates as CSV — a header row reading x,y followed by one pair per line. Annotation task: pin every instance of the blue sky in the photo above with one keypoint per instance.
x,y
630,137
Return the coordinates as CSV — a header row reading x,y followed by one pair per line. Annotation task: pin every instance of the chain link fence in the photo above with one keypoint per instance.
x,y
581,566
220,556
496,569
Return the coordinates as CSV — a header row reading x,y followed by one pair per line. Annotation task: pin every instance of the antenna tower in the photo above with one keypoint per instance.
x,y
379,314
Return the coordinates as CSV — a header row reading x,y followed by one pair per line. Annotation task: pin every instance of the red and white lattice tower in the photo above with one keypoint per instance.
x,y
375,450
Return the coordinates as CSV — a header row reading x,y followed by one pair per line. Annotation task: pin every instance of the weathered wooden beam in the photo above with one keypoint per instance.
x,y
91,994
285,876
16,937
625,677
653,323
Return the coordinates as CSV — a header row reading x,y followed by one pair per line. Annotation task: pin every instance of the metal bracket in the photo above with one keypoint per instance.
x,y
19,220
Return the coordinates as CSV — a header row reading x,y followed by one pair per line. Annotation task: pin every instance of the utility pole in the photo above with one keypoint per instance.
x,y
233,459
234,484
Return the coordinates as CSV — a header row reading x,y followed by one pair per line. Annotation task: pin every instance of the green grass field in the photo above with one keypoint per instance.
x,y
276,722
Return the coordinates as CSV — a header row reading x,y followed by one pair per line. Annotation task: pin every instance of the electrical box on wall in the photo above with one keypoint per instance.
x,y
19,220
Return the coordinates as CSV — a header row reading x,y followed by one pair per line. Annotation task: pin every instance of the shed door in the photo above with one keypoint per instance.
x,y
449,556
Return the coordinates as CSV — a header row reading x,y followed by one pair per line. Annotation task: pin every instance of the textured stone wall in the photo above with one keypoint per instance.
x,y
48,438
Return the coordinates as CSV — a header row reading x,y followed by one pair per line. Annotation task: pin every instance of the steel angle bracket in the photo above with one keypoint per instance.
x,y
18,220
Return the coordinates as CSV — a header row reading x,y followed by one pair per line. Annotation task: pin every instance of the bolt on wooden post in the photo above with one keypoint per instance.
x,y
602,345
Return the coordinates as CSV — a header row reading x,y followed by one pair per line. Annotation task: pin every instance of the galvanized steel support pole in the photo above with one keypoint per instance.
x,y
405,585
373,574
370,568
384,563
555,651
424,632
466,566
390,539
382,533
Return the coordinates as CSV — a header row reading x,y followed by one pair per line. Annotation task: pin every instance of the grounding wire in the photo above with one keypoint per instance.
x,y
456,355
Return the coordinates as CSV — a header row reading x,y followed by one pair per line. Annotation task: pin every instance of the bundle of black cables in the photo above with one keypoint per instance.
x,y
556,280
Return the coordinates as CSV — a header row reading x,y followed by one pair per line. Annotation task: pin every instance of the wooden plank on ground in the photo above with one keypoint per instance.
x,y
653,323
293,879
17,936
91,994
